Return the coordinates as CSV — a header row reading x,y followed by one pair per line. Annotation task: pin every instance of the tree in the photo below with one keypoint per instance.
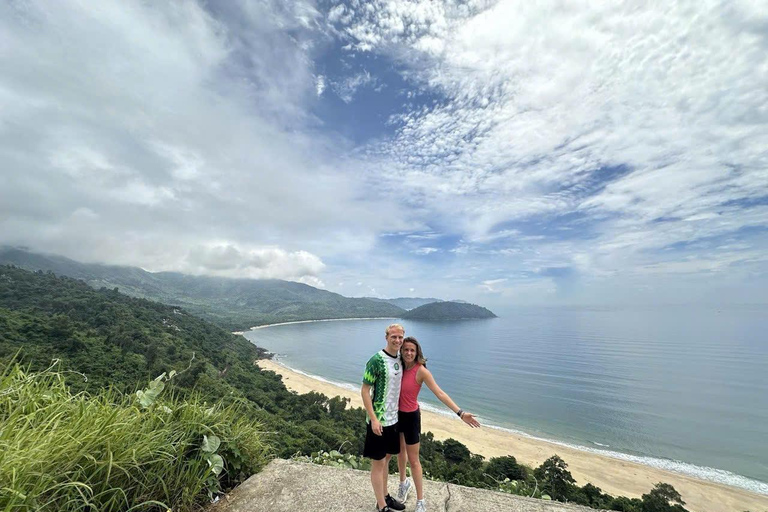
x,y
554,477
500,468
624,504
455,452
662,498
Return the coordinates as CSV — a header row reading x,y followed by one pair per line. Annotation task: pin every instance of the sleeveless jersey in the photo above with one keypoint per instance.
x,y
384,373
409,392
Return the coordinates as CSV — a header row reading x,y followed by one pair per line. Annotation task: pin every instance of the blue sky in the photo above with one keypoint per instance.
x,y
503,152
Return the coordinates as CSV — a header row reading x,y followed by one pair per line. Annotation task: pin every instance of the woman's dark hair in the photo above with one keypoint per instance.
x,y
419,354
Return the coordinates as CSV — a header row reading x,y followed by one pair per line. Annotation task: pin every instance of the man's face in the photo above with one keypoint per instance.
x,y
395,340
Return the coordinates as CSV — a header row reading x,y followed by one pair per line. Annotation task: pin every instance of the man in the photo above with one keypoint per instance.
x,y
383,374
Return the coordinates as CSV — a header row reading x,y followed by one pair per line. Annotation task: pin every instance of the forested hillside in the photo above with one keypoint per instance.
x,y
234,304
448,311
123,342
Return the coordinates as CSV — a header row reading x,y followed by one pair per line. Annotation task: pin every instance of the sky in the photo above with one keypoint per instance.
x,y
502,152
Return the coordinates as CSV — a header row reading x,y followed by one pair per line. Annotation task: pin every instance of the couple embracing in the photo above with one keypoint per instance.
x,y
395,374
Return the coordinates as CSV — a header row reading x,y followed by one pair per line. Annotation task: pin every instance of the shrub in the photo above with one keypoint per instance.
x,y
500,468
108,452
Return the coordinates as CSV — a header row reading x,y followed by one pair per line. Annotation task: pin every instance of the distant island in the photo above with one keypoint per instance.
x,y
447,311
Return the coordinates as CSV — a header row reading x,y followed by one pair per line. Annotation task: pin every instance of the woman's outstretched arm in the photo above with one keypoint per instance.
x,y
426,377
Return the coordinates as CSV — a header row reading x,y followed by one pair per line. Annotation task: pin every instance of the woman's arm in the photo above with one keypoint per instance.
x,y
426,377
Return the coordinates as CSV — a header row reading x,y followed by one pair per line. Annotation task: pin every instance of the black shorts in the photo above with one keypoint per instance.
x,y
409,424
377,447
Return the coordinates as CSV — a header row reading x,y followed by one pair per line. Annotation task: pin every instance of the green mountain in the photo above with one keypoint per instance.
x,y
123,342
447,311
231,303
407,302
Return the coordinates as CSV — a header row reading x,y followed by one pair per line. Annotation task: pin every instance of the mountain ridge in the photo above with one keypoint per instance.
x,y
233,303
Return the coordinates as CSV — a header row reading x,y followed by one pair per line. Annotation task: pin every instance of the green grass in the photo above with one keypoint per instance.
x,y
106,452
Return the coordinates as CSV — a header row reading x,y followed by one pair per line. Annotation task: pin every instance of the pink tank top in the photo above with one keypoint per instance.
x,y
409,390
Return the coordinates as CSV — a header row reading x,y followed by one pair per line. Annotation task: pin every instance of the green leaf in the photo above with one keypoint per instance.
x,y
216,463
335,454
210,444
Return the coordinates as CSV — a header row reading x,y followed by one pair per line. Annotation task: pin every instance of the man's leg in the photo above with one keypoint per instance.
x,y
379,468
385,475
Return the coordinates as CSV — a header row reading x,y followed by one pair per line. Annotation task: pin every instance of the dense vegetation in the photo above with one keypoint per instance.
x,y
112,452
447,311
123,343
234,304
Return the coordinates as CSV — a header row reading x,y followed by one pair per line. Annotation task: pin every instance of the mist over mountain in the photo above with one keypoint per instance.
x,y
407,302
228,302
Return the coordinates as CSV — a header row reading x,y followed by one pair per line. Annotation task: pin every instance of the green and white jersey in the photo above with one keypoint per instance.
x,y
385,373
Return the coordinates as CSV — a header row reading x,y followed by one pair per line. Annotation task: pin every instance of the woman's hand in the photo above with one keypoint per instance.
x,y
469,419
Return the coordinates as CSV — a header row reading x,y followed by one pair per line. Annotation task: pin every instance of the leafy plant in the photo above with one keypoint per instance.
x,y
77,452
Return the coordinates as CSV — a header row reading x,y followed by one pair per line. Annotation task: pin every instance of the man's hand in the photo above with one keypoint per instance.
x,y
470,420
376,427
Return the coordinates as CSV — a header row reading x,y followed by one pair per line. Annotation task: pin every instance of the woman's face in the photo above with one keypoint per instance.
x,y
408,351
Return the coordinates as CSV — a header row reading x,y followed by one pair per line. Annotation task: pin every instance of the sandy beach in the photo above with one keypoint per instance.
x,y
614,476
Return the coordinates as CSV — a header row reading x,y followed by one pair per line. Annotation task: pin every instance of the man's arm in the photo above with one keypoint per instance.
x,y
365,391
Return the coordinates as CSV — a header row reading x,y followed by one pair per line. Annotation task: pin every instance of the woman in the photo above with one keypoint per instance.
x,y
415,374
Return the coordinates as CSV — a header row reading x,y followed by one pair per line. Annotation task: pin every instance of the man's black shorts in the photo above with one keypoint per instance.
x,y
377,447
409,424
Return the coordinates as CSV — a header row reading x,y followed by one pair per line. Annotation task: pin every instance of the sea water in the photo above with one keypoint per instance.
x,y
680,388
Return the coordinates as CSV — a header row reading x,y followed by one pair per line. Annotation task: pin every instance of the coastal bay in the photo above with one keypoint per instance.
x,y
617,477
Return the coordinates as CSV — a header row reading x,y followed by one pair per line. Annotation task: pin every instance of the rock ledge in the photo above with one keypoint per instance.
x,y
288,486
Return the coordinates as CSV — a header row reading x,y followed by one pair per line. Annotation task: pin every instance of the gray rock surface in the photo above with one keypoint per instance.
x,y
287,486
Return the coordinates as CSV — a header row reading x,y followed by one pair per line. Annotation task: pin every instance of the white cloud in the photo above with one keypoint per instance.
x,y
490,285
259,263
173,125
536,99
624,142
320,85
347,87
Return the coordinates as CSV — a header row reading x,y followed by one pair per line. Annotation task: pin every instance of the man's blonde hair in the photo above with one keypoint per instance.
x,y
394,326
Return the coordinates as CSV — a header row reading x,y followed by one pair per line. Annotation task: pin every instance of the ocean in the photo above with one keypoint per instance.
x,y
681,388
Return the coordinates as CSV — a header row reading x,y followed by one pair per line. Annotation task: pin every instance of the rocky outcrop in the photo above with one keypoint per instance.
x,y
288,486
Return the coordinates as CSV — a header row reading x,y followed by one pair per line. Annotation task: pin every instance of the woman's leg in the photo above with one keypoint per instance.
x,y
412,450
402,458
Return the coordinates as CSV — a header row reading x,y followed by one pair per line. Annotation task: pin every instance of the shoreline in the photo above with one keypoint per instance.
x,y
264,326
616,476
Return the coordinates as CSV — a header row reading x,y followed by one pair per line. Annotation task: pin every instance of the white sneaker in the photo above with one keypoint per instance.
x,y
403,490
421,506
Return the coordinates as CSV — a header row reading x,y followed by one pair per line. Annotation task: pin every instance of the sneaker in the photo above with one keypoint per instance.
x,y
393,503
403,490
385,509
421,506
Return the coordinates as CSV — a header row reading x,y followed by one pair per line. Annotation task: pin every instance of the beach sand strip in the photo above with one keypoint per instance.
x,y
614,476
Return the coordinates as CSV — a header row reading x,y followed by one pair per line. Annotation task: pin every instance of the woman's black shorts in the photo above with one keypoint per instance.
x,y
377,447
409,424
